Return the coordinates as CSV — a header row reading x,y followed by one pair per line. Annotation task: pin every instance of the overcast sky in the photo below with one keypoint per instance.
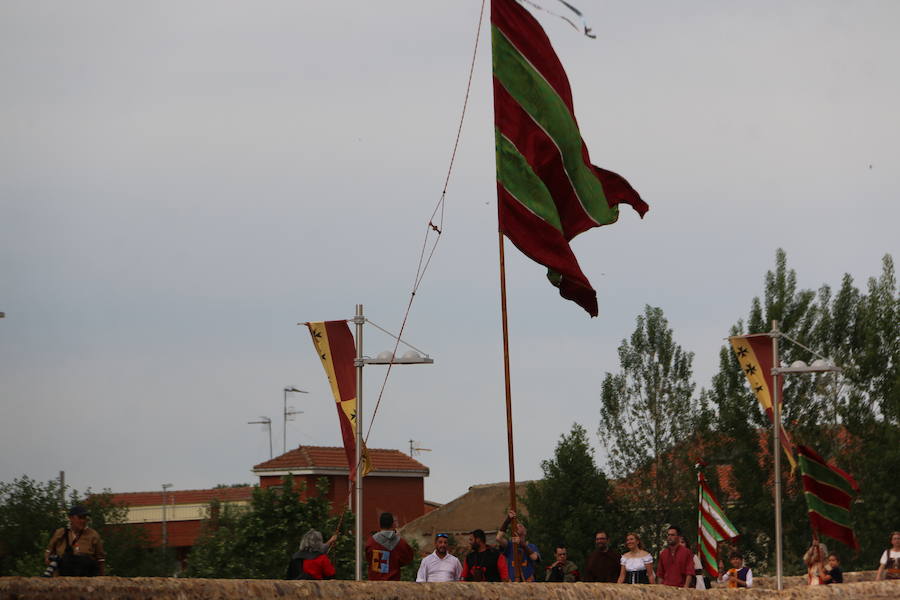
x,y
182,182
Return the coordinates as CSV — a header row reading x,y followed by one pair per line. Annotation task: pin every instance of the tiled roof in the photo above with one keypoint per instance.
x,y
229,494
333,457
482,507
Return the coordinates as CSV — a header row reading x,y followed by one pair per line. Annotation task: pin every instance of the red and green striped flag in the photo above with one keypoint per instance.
x,y
829,492
713,527
547,189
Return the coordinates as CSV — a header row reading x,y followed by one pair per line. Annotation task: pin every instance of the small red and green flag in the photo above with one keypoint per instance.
x,y
713,527
829,492
547,189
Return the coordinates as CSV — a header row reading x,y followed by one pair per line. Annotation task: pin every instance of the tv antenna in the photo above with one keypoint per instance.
x,y
266,422
414,448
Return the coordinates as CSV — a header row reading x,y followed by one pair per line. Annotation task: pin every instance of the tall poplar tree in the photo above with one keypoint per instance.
x,y
648,420
851,418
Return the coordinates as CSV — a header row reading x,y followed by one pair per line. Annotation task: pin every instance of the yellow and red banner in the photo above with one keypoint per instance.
x,y
337,351
754,353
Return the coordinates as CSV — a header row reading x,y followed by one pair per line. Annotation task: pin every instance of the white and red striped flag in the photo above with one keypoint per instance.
x,y
713,527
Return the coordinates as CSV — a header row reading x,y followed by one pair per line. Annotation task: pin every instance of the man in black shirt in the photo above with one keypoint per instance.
x,y
483,563
603,563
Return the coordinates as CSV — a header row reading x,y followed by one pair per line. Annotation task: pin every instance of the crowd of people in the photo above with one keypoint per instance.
x,y
516,559
77,550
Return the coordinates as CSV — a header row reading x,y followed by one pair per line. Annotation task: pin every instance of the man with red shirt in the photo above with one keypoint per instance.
x,y
386,551
676,563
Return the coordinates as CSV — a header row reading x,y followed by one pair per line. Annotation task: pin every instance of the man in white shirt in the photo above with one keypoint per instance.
x,y
440,565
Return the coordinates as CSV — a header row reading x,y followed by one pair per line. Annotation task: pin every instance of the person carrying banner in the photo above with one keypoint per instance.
x,y
386,551
815,561
528,553
311,559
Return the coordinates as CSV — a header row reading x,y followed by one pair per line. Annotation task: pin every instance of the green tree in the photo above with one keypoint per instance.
x,y
571,500
846,417
256,542
648,418
30,511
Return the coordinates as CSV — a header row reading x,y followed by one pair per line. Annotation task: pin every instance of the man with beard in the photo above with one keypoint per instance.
x,y
603,562
386,551
676,563
440,565
483,563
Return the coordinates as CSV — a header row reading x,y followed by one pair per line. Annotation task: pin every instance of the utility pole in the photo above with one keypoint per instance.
x,y
165,533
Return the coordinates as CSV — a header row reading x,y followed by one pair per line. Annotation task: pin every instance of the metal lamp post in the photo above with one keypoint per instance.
x,y
821,365
414,356
165,533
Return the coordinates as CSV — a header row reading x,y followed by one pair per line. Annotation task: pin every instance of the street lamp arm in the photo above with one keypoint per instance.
x,y
383,330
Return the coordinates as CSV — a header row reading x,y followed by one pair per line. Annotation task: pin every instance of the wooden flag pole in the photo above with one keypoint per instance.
x,y
509,423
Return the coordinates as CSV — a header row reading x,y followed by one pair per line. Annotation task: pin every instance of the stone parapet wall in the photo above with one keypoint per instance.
x,y
765,582
120,588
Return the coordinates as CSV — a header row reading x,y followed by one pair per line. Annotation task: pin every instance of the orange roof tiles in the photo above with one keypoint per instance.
x,y
230,494
333,457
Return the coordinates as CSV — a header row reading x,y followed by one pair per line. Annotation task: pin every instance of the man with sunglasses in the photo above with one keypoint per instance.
x,y
440,565
77,549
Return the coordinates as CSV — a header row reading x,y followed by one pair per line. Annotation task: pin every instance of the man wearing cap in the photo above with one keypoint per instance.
x,y
79,548
483,563
527,553
440,565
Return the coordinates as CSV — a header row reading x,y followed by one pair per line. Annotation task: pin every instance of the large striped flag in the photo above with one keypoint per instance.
x,y
337,351
547,189
829,492
713,527
754,353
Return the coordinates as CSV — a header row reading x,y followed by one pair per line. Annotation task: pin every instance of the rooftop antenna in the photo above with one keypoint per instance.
x,y
414,449
266,422
289,415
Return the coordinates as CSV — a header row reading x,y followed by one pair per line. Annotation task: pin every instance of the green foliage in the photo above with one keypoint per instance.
x,y
647,411
256,542
570,501
408,573
30,511
852,418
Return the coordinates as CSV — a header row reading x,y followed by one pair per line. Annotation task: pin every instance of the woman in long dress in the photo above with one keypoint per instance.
x,y
637,563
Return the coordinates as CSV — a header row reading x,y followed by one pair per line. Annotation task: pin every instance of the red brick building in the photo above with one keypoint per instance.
x,y
184,512
395,484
